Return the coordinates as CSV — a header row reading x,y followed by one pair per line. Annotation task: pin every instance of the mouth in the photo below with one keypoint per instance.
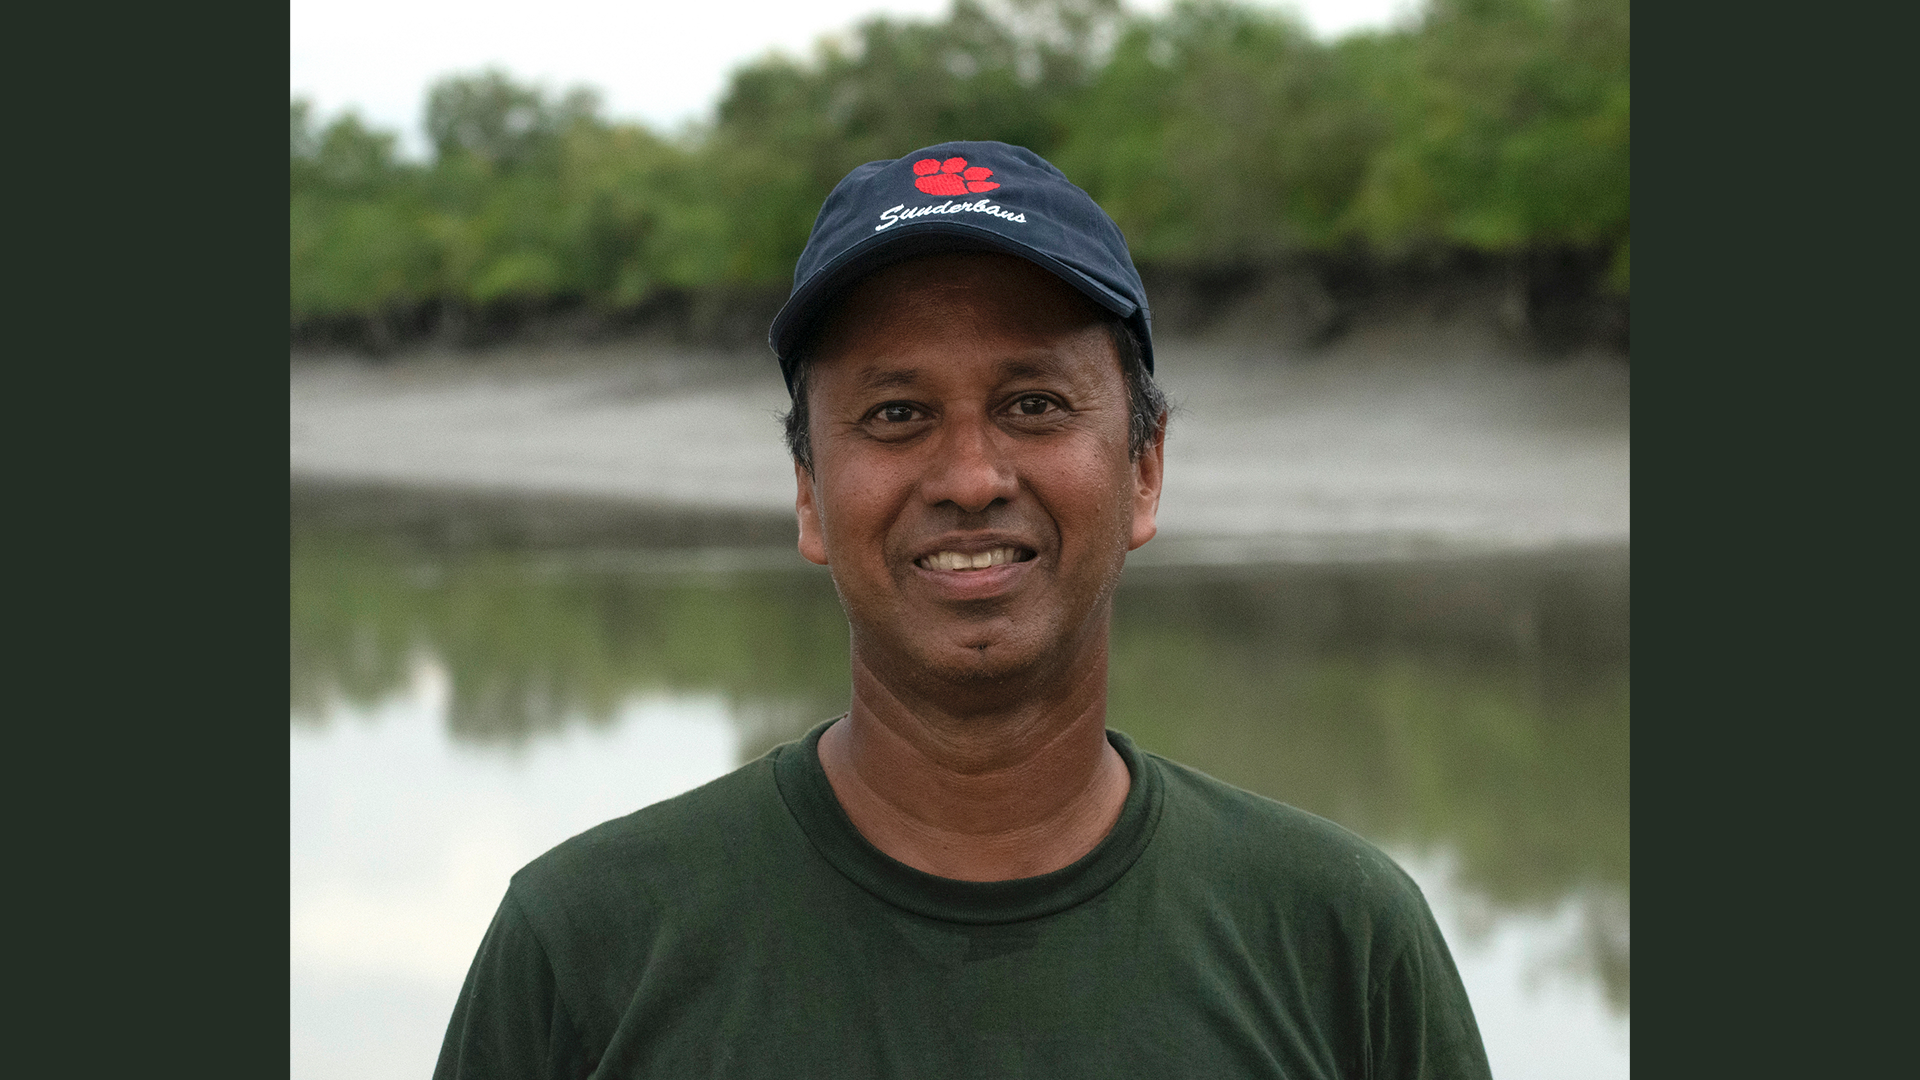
x,y
973,560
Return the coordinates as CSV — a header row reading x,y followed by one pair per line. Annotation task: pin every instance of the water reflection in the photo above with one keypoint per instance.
x,y
1475,708
1472,717
533,640
403,839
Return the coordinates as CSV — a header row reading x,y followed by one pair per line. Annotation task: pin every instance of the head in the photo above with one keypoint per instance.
x,y
972,476
976,433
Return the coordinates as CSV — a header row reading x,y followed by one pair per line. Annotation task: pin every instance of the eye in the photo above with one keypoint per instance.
x,y
895,412
1033,405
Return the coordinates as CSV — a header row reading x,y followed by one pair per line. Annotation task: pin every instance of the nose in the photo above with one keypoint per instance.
x,y
969,466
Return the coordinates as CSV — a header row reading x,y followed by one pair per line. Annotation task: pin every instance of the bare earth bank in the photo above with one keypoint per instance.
x,y
1387,446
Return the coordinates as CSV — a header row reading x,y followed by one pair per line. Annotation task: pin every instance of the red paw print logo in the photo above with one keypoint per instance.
x,y
951,177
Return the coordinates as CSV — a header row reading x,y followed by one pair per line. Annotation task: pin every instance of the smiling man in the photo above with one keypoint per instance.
x,y
967,874
969,480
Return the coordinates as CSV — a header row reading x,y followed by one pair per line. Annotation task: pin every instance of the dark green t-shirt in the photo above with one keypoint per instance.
x,y
747,929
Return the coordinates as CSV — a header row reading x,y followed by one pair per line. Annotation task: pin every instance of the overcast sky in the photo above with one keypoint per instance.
x,y
663,63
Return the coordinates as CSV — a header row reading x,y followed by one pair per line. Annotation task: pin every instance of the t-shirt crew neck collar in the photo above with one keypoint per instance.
x,y
809,797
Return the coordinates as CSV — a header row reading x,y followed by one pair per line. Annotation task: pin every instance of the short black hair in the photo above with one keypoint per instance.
x,y
1147,407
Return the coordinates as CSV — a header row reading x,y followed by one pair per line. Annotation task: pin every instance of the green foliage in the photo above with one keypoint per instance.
x,y
1223,133
1214,134
1511,128
505,125
354,229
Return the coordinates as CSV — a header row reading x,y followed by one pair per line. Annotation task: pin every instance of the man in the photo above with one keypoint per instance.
x,y
966,875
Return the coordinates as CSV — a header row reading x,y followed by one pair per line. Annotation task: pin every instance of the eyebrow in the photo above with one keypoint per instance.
x,y
887,379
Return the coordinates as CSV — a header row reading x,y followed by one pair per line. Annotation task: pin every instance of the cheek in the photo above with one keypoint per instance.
x,y
1089,492
858,507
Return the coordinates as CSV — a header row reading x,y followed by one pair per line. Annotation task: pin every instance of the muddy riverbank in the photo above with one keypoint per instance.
x,y
1399,441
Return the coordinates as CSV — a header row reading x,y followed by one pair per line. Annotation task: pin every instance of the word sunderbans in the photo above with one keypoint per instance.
x,y
1216,135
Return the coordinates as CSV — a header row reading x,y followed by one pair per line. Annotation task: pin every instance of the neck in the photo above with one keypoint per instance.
x,y
988,794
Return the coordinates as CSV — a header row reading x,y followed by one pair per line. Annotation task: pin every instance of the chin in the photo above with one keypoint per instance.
x,y
979,666
997,666
940,668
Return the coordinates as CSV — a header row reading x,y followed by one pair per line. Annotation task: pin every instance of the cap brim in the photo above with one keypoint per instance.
x,y
804,308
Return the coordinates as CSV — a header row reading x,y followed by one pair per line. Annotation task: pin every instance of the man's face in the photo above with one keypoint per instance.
x,y
972,488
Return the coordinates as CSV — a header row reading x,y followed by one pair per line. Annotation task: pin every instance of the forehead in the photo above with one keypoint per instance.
x,y
935,299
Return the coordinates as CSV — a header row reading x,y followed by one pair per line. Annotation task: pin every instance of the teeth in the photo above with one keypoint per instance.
x,y
960,560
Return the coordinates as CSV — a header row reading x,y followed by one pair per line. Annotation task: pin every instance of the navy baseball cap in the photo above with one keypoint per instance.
x,y
960,196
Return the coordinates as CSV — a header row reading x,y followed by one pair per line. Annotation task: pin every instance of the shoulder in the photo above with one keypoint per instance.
x,y
1281,851
1325,908
581,924
630,866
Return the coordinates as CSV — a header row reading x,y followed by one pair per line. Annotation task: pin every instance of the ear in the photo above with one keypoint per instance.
x,y
813,541
1149,470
